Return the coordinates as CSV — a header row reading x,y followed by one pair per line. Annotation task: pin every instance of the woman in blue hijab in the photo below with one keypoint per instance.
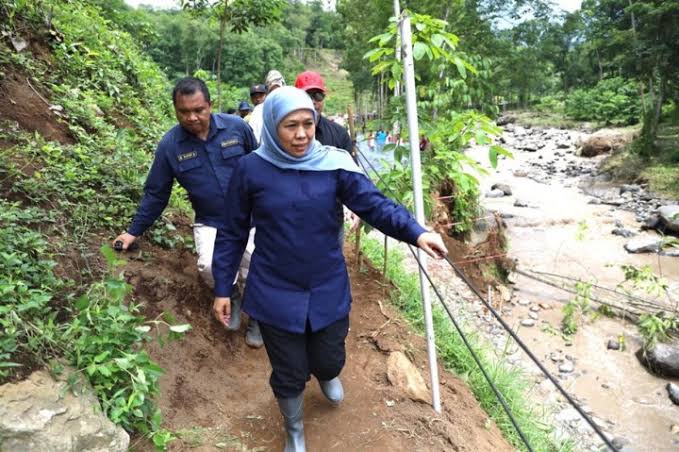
x,y
298,287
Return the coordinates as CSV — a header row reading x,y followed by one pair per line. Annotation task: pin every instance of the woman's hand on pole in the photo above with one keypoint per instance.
x,y
222,310
432,244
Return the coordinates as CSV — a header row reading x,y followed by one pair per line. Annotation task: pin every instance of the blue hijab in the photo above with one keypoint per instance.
x,y
317,157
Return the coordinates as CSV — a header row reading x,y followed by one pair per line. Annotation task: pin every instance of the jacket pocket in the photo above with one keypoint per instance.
x,y
187,165
232,151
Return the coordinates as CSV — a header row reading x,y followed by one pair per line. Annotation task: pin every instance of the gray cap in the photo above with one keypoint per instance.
x,y
274,78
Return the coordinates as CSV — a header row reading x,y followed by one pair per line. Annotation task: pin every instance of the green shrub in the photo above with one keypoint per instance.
x,y
553,104
613,101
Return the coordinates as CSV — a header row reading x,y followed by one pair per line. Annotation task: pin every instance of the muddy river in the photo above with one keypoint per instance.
x,y
559,217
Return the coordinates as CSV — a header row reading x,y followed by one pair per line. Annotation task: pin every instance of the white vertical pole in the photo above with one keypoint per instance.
x,y
396,129
414,138
397,14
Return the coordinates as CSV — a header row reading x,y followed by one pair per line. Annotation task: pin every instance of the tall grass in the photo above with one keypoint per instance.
x,y
456,357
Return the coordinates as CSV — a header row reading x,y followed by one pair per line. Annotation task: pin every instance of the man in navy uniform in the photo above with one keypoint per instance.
x,y
201,153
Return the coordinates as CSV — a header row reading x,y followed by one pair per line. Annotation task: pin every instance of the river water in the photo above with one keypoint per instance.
x,y
561,231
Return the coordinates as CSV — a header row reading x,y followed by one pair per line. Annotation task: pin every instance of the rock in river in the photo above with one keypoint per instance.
x,y
673,391
669,216
643,245
506,189
495,194
662,359
622,232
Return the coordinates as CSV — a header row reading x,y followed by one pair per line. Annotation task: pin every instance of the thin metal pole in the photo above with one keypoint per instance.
x,y
397,14
414,138
396,128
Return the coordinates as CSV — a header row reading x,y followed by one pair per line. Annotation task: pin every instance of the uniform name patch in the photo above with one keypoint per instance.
x,y
187,156
227,143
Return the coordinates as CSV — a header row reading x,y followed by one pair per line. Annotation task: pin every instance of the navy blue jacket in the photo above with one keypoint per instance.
x,y
297,270
332,134
203,168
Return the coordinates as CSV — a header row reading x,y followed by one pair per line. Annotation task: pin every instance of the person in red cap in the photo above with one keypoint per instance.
x,y
328,133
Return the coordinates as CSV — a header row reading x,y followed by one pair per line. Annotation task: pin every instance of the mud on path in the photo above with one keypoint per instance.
x,y
215,392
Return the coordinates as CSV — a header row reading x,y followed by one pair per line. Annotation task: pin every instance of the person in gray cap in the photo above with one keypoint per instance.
x,y
273,80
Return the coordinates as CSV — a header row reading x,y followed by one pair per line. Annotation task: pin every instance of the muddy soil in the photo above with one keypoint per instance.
x,y
25,105
215,391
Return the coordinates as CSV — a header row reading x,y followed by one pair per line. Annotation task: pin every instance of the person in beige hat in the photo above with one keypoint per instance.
x,y
273,80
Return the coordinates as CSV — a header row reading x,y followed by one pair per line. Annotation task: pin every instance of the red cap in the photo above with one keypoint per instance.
x,y
310,80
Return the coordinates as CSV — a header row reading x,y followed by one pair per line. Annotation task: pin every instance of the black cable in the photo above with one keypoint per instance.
x,y
530,354
504,324
496,391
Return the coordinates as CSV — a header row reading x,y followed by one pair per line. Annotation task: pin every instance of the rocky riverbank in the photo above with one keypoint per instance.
x,y
565,217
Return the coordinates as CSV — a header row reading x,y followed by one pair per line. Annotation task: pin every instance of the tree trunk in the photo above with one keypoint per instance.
x,y
601,68
659,99
222,30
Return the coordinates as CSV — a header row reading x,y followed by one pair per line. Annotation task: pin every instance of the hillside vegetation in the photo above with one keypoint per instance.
x,y
82,113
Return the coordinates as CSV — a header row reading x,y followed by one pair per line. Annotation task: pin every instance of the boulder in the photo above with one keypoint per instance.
x,y
604,141
669,217
671,252
495,194
482,228
595,145
630,188
673,392
506,189
521,203
643,245
652,222
405,376
662,359
505,119
40,413
622,232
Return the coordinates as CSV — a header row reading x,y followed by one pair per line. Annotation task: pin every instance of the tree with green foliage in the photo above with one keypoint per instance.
x,y
236,16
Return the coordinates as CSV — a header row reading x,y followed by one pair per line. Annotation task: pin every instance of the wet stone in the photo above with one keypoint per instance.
x,y
622,232
495,194
567,367
673,391
557,357
619,442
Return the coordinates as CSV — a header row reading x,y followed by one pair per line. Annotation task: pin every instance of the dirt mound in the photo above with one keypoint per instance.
x,y
216,394
23,104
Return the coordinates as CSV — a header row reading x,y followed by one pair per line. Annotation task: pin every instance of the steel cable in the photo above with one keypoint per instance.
x,y
490,382
504,324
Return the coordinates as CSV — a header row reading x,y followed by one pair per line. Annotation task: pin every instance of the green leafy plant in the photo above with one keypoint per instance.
x,y
577,309
642,278
656,328
105,341
445,167
613,100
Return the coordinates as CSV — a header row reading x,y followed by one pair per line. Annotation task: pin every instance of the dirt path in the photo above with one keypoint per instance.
x,y
216,395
